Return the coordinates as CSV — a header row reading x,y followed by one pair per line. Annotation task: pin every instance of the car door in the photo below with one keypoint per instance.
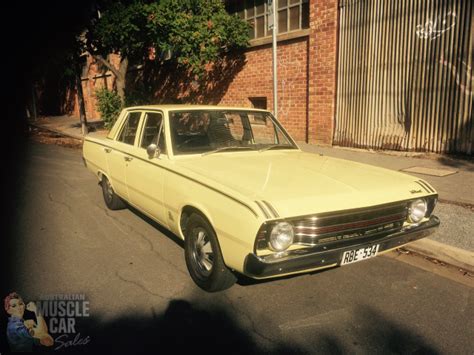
x,y
119,155
145,174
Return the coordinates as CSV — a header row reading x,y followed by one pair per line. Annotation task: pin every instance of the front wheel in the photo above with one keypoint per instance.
x,y
203,256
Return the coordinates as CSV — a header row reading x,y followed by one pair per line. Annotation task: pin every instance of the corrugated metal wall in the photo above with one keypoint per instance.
x,y
405,77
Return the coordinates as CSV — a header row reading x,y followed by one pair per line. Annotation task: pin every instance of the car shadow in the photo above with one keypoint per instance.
x,y
163,230
187,325
183,327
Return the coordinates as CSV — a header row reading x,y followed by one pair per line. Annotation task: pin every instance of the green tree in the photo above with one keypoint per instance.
x,y
109,106
194,34
121,29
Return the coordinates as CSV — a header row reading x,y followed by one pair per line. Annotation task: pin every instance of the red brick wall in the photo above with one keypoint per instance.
x,y
94,79
306,80
322,70
255,80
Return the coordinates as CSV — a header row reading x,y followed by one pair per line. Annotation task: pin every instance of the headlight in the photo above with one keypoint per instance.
x,y
417,210
281,236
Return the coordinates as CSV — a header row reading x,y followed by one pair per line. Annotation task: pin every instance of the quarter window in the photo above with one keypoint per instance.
x,y
129,128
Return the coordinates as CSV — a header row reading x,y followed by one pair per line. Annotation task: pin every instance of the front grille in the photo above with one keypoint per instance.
x,y
374,222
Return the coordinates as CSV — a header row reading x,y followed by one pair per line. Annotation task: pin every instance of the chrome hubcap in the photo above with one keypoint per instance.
x,y
202,251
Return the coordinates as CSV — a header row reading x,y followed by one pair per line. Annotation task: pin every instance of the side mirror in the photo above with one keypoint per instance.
x,y
153,151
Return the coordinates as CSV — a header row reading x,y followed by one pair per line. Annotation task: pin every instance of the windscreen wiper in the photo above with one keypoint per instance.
x,y
276,146
223,149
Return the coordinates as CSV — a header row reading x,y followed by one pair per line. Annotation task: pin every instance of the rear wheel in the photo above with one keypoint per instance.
x,y
112,201
203,256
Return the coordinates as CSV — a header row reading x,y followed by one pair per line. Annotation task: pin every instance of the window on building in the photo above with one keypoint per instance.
x,y
293,15
259,102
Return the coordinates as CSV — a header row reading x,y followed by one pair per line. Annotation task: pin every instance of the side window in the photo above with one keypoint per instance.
x,y
129,129
151,130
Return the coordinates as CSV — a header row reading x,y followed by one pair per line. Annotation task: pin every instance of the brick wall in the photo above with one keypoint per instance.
x,y
306,79
322,70
93,78
255,80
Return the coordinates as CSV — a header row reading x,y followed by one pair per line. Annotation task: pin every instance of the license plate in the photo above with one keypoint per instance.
x,y
352,256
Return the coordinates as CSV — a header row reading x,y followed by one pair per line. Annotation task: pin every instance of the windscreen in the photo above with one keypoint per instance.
x,y
201,131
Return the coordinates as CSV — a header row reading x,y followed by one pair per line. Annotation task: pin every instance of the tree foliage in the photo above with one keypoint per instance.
x,y
121,29
196,33
109,105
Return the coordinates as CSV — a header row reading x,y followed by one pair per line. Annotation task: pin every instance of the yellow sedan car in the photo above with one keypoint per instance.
x,y
233,184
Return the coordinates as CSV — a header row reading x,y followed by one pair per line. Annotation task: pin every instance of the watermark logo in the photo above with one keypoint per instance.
x,y
62,312
51,321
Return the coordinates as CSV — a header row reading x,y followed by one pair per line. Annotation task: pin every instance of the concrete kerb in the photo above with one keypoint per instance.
x,y
462,259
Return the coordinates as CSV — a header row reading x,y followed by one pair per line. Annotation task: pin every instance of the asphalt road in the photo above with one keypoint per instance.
x,y
63,240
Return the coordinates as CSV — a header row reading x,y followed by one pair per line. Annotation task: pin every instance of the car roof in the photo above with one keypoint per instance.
x,y
191,107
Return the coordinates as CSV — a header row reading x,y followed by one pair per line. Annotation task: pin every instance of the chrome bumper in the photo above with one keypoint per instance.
x,y
319,256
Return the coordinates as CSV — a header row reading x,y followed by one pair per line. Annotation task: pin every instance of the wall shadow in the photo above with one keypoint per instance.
x,y
166,83
386,336
464,162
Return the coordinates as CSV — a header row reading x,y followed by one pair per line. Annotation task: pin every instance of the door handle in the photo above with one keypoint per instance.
x,y
107,150
128,158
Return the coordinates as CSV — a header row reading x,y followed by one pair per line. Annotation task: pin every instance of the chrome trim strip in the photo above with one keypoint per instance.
x,y
182,175
330,243
348,230
360,223
316,241
345,213
270,207
366,223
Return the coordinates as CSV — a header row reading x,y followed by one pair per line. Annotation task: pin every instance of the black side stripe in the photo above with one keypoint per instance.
x,y
425,186
428,186
267,215
270,207
182,175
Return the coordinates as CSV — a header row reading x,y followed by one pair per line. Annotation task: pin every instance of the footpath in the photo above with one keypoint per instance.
x,y
453,178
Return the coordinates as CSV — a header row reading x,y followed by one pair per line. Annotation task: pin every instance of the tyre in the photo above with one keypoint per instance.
x,y
112,201
203,256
